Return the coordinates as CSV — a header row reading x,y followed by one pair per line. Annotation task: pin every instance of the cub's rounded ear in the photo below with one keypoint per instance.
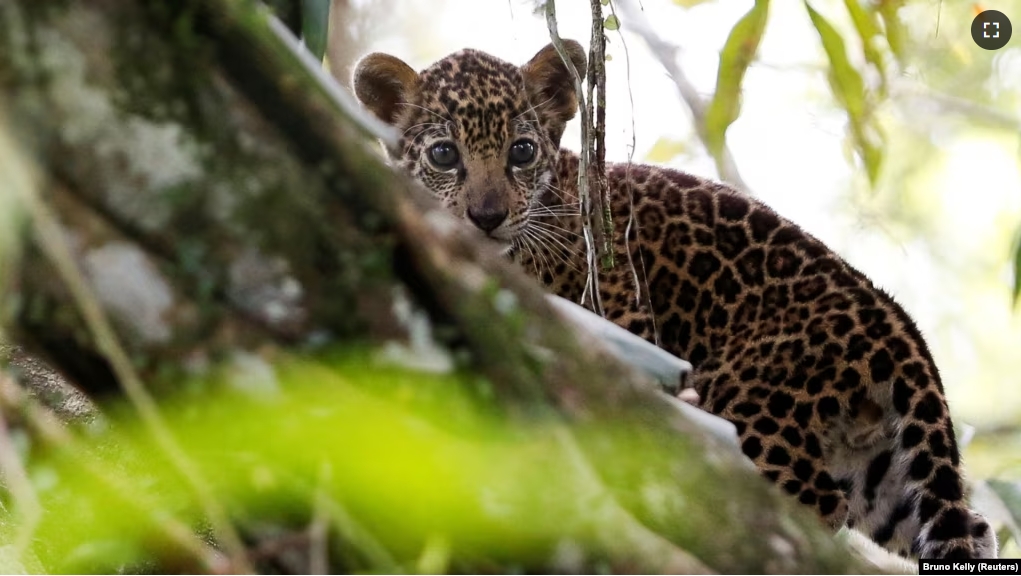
x,y
551,84
382,83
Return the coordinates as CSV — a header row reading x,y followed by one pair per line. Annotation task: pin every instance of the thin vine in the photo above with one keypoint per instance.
x,y
592,188
584,193
596,142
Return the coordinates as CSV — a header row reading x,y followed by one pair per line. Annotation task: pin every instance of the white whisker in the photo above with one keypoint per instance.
x,y
542,253
557,211
527,244
548,238
445,118
559,231
534,109
435,124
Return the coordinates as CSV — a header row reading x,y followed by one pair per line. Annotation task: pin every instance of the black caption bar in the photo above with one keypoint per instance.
x,y
1002,566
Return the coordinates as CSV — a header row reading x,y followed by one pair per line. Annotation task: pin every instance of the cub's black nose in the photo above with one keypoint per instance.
x,y
487,220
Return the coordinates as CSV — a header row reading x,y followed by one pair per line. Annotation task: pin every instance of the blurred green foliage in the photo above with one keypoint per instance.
x,y
849,88
405,466
736,56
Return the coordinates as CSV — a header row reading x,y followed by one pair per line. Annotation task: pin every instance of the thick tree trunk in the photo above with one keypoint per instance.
x,y
219,200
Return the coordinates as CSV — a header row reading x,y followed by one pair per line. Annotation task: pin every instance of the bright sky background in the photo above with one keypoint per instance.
x,y
791,148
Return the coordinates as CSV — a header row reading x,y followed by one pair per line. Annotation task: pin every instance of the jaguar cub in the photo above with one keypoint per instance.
x,y
832,389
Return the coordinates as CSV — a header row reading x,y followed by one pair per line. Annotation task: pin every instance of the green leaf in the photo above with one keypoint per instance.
x,y
849,89
1017,268
844,79
894,30
611,22
737,54
865,23
870,149
604,2
666,149
315,25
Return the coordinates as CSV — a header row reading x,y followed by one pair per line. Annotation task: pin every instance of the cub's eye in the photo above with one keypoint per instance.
x,y
444,155
522,152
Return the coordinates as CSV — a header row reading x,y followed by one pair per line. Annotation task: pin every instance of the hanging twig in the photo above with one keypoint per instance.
x,y
584,193
596,142
642,294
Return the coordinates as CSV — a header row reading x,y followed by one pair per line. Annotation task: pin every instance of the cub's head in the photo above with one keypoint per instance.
x,y
481,134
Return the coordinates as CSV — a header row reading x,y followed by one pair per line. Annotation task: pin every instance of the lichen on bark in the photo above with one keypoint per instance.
x,y
162,152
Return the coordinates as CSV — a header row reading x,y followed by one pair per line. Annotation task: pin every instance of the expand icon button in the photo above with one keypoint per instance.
x,y
991,29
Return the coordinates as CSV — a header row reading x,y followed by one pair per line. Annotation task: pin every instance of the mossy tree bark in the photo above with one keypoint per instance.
x,y
219,199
